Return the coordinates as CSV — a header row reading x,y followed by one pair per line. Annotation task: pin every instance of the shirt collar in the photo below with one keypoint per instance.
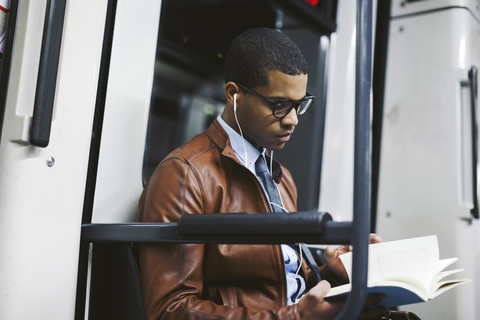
x,y
237,143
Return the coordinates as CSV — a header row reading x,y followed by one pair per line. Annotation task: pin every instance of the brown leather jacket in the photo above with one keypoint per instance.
x,y
210,281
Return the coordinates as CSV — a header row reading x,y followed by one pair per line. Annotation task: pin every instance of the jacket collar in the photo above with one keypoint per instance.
x,y
221,140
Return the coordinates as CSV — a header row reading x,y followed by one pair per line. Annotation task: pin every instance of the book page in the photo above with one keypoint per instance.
x,y
447,285
439,276
442,264
416,257
407,271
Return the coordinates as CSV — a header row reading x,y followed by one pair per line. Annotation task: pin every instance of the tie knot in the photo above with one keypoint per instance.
x,y
260,165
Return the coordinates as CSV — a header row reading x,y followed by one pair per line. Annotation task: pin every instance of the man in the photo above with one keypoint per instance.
x,y
217,172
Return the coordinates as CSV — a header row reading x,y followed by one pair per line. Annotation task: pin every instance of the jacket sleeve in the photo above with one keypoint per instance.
x,y
172,274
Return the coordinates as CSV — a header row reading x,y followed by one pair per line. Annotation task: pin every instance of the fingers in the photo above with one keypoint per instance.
x,y
332,252
315,295
313,306
335,265
320,289
375,238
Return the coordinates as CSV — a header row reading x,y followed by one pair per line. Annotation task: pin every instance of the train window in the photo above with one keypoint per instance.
x,y
188,83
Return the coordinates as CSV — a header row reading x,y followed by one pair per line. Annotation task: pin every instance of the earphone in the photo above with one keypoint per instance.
x,y
272,203
240,128
271,164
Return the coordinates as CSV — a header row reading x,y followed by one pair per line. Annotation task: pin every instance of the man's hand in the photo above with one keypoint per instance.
x,y
335,264
313,305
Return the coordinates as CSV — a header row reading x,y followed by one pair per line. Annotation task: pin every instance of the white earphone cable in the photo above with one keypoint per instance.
x,y
271,162
239,128
282,206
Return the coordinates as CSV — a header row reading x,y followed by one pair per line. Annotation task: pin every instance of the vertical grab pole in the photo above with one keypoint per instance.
x,y
362,162
47,73
473,77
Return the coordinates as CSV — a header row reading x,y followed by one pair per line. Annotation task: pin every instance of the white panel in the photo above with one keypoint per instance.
x,y
420,191
119,180
336,189
336,186
402,7
41,206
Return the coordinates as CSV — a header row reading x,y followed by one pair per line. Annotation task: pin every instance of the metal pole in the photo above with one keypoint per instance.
x,y
362,162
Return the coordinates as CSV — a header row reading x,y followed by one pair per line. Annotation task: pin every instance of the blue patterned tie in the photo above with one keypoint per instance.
x,y
276,205
269,185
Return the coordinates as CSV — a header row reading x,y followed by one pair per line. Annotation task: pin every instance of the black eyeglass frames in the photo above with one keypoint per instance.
x,y
282,107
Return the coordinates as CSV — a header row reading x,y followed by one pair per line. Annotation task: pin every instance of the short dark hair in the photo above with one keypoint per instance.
x,y
258,51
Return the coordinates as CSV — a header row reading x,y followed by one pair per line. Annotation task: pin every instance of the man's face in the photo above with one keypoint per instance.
x,y
259,125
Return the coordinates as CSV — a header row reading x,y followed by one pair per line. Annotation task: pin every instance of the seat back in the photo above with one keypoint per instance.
x,y
115,289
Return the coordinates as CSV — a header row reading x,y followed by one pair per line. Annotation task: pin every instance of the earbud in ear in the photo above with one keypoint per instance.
x,y
235,101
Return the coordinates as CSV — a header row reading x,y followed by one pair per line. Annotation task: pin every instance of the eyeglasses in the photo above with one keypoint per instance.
x,y
281,107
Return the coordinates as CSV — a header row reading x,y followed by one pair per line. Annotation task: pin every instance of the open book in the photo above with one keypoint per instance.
x,y
406,271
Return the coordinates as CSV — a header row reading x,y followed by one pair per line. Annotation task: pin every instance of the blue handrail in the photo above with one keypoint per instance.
x,y
362,162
